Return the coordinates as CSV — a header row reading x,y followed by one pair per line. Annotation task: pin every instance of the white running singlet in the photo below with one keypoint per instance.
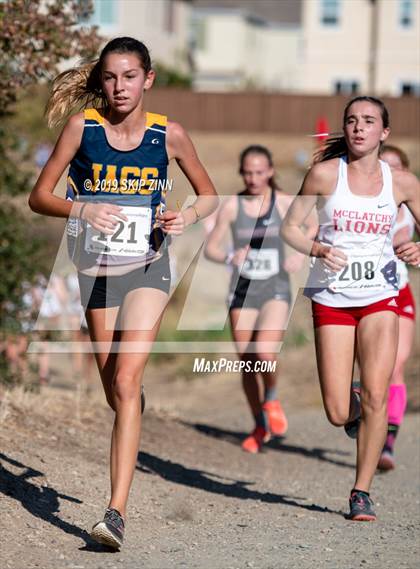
x,y
408,222
361,227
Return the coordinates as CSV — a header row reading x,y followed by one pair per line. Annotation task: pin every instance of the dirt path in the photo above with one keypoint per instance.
x,y
198,501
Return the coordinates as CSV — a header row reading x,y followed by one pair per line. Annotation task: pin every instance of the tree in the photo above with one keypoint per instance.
x,y
170,77
35,37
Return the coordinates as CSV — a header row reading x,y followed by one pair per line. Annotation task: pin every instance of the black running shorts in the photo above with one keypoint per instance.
x,y
254,294
106,291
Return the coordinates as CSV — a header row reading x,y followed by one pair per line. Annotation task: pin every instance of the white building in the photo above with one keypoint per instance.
x,y
162,25
352,46
235,48
312,46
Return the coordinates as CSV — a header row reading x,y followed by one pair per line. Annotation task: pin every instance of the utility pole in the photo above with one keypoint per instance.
x,y
373,45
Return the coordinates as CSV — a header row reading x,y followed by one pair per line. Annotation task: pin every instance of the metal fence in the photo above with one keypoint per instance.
x,y
266,112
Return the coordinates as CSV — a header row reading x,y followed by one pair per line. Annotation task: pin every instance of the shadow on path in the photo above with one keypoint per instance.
x,y
40,501
277,443
214,483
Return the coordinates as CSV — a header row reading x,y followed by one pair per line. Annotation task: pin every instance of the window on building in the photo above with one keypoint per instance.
x,y
104,13
330,12
410,89
406,13
198,34
346,87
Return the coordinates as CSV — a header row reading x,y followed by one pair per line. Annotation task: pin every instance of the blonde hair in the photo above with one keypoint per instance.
x,y
74,89
396,150
81,87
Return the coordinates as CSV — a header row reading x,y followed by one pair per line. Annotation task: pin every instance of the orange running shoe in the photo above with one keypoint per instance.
x,y
255,441
277,420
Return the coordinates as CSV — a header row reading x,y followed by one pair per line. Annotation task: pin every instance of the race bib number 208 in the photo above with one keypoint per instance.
x,y
361,272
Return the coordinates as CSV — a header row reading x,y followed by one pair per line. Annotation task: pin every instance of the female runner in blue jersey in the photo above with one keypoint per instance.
x,y
118,155
353,282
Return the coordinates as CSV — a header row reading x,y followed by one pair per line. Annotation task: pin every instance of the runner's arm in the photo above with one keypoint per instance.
x,y
408,192
42,200
294,261
317,183
214,250
300,210
180,147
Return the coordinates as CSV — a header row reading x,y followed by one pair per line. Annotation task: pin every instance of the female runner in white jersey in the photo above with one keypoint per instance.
x,y
259,289
136,297
403,232
353,283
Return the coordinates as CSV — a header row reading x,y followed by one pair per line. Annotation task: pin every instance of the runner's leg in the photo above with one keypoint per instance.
x,y
377,339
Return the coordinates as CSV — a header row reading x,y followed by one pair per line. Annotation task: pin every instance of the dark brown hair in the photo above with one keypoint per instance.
x,y
259,149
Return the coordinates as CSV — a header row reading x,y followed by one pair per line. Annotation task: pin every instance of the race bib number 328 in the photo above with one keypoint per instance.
x,y
261,264
131,237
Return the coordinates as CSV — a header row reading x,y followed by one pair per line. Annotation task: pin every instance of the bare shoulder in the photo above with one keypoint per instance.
x,y
175,132
179,145
73,129
76,122
406,186
71,136
283,199
283,202
325,170
229,208
404,179
321,178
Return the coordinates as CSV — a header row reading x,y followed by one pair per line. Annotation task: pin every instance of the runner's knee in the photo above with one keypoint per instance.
x,y
374,400
337,415
264,356
126,385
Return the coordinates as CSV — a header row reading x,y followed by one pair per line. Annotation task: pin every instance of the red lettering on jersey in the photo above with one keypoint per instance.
x,y
373,228
385,229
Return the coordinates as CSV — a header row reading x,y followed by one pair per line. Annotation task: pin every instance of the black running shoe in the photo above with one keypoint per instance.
x,y
143,400
361,507
110,531
352,427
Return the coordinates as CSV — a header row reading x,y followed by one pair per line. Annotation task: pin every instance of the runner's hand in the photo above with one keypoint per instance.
x,y
171,222
103,217
409,253
332,258
240,255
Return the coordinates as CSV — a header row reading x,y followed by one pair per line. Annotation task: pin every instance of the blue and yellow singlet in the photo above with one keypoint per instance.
x,y
138,177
